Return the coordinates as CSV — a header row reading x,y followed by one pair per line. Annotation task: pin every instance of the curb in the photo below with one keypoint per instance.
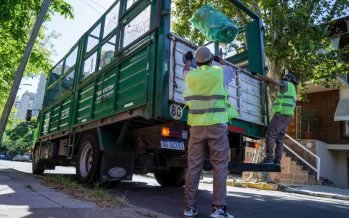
x,y
284,188
262,186
316,194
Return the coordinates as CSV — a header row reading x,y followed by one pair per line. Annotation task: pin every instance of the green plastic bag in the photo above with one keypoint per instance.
x,y
214,24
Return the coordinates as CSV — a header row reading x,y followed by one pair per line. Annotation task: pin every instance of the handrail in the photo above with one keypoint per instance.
x,y
300,145
317,169
298,156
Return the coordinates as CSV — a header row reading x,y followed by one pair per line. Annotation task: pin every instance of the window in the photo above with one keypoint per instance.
x,y
56,73
345,129
93,38
52,94
107,52
71,60
67,82
111,20
137,27
90,65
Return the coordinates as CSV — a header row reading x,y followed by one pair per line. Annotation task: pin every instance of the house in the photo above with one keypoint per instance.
x,y
321,129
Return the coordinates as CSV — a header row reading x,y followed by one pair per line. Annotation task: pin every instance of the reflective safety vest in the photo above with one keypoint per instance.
x,y
206,97
285,103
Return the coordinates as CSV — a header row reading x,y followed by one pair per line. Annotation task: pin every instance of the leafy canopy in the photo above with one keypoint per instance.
x,y
20,138
295,34
16,23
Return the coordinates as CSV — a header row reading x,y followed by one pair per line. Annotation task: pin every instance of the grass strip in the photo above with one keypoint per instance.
x,y
96,194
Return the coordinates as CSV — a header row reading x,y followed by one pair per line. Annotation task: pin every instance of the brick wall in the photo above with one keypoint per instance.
x,y
324,105
292,173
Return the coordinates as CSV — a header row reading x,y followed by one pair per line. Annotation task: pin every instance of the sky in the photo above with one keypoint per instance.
x,y
86,13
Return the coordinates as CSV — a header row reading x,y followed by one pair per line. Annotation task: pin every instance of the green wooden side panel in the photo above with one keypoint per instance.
x,y
84,104
54,122
133,81
65,112
105,94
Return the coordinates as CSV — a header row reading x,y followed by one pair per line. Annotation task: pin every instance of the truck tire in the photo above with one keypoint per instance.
x,y
38,167
173,177
89,160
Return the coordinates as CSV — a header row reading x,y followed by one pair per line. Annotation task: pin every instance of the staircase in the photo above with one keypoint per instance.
x,y
293,171
299,164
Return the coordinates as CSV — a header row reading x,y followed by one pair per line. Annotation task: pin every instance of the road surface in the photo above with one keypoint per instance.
x,y
243,202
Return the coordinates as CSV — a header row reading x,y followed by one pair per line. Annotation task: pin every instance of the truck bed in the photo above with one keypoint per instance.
x,y
245,91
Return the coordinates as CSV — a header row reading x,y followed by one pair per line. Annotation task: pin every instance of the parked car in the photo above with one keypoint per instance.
x,y
18,157
26,157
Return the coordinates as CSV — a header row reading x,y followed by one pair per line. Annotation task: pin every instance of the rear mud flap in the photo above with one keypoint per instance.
x,y
116,167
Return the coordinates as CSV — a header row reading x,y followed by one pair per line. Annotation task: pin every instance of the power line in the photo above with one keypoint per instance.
x,y
96,3
90,6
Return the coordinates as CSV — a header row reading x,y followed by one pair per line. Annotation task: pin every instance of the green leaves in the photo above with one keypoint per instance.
x,y
16,23
295,34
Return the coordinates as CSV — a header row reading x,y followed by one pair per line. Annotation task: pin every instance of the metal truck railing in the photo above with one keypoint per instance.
x,y
315,168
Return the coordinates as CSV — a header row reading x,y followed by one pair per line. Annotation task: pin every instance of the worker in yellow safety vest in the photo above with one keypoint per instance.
x,y
209,111
282,115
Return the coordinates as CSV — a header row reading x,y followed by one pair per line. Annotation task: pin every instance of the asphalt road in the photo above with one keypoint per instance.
x,y
243,202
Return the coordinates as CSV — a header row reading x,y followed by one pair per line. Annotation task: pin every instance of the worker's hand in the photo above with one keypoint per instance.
x,y
217,58
189,56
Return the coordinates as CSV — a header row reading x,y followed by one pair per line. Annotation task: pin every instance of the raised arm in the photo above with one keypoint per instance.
x,y
189,58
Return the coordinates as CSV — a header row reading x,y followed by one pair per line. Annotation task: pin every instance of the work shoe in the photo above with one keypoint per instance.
x,y
277,162
267,161
220,212
190,212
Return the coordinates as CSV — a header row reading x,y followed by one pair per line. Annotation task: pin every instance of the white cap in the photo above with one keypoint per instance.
x,y
202,55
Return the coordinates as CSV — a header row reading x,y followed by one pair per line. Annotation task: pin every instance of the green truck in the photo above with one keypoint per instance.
x,y
113,105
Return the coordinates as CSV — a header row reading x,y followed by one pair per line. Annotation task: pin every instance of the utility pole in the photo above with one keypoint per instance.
x,y
20,70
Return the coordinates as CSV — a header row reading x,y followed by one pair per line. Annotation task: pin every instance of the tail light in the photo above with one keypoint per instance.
x,y
167,132
251,144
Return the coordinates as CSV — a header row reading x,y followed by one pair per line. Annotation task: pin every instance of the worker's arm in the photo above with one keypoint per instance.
x,y
187,65
189,58
219,60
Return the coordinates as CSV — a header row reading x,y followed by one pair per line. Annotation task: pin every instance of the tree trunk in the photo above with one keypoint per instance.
x,y
19,74
275,72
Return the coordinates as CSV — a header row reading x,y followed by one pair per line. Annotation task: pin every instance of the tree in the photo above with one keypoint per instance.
x,y
17,20
19,138
295,34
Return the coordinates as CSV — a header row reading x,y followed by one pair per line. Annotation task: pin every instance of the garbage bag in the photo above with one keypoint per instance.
x,y
214,24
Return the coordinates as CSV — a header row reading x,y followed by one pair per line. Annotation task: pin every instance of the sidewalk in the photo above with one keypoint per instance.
x,y
22,195
312,190
319,191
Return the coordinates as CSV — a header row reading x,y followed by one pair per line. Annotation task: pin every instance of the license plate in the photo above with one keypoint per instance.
x,y
172,144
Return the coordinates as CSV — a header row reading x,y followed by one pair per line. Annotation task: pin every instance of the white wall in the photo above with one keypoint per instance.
x,y
327,161
344,92
341,169
333,165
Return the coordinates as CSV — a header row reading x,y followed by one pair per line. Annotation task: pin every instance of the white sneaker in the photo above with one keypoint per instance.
x,y
220,212
190,211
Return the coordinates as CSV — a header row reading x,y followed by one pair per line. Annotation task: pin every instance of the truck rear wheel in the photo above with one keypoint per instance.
x,y
173,177
38,167
89,160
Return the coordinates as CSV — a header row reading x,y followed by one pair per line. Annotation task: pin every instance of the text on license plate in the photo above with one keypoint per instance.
x,y
173,145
